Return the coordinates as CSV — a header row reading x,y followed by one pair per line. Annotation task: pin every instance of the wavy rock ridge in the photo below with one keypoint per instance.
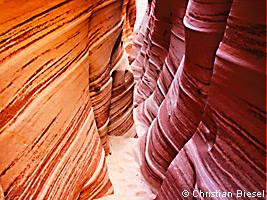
x,y
202,98
199,72
54,115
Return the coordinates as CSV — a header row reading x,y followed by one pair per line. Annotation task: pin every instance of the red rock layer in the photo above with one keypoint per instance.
x,y
147,110
106,54
49,129
181,111
129,18
177,105
105,27
227,152
121,106
138,39
229,134
150,59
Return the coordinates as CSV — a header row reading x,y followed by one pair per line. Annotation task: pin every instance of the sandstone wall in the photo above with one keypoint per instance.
x,y
58,96
202,101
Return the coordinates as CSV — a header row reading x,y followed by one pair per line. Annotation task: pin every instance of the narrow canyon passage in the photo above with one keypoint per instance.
x,y
132,99
124,171
124,163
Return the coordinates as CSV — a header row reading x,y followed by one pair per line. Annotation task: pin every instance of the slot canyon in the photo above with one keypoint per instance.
x,y
170,103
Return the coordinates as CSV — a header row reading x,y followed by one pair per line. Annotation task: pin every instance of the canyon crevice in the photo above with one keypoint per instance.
x,y
73,72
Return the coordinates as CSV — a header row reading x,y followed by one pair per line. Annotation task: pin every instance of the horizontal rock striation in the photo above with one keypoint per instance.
x,y
154,49
58,96
138,39
227,152
129,18
150,106
205,131
121,106
105,56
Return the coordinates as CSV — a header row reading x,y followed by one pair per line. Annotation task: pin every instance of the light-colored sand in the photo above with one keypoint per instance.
x,y
123,162
124,171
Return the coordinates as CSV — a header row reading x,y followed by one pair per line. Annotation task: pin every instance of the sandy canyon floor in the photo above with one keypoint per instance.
x,y
123,163
124,171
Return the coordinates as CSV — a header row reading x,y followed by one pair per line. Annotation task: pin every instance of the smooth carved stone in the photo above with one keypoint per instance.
x,y
138,39
149,108
106,36
129,17
227,152
2,197
181,111
105,26
138,64
158,38
50,147
121,106
121,116
223,108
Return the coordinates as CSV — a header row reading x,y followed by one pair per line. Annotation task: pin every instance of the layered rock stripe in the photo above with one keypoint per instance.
x,y
206,131
52,123
199,74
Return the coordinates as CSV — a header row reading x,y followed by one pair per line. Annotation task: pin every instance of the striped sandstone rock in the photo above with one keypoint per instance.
x,y
235,101
56,90
227,152
105,56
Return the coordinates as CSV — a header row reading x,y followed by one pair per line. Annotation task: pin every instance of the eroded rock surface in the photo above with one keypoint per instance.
x,y
205,118
199,72
56,64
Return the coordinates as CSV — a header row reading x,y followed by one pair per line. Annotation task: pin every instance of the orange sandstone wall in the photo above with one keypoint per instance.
x,y
56,64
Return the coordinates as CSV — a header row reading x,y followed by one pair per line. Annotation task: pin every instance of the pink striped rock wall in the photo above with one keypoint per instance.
x,y
170,66
137,43
50,117
206,131
154,49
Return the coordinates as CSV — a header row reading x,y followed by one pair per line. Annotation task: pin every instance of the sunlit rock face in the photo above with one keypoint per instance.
x,y
57,96
172,61
205,119
2,197
129,18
